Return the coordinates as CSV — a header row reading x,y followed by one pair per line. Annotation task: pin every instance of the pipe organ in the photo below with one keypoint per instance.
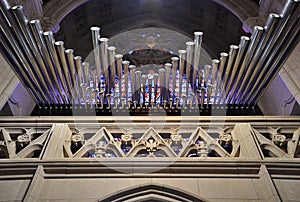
x,y
56,78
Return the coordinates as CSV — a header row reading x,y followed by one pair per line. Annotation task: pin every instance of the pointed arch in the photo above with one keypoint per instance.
x,y
152,192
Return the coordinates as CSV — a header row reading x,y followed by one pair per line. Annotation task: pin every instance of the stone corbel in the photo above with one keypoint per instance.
x,y
249,24
50,24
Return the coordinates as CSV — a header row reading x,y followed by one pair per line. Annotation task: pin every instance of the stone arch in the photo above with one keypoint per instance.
x,y
152,192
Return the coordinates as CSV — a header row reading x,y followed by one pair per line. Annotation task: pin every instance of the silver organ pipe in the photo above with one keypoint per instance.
x,y
49,40
267,37
37,31
244,42
126,77
189,59
38,64
284,41
168,67
174,74
12,37
53,76
119,72
80,79
132,79
111,62
17,67
229,74
219,95
60,50
72,70
182,57
255,38
104,61
96,49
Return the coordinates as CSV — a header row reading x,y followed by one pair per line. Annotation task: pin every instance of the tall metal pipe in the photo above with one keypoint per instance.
x,y
144,81
207,72
168,67
36,59
218,92
244,78
80,81
17,22
71,64
119,71
162,84
182,57
19,49
126,79
174,73
189,60
137,93
280,60
86,73
95,36
214,73
60,49
10,57
86,80
201,75
286,33
209,92
104,61
49,40
94,78
243,45
229,75
37,31
111,62
197,53
155,79
132,79
150,88
272,21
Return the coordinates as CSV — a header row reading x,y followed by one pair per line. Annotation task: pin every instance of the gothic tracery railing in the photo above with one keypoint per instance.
x,y
201,140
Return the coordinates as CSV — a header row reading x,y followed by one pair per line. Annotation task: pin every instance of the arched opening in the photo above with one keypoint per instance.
x,y
152,193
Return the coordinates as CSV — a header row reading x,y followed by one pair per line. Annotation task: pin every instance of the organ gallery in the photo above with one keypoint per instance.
x,y
155,104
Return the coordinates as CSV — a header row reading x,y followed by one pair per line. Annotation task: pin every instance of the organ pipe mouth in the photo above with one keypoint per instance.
x,y
53,75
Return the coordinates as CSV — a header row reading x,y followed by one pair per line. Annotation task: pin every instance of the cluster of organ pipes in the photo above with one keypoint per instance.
x,y
54,76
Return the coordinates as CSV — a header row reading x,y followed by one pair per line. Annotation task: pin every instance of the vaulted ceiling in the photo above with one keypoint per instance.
x,y
221,26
